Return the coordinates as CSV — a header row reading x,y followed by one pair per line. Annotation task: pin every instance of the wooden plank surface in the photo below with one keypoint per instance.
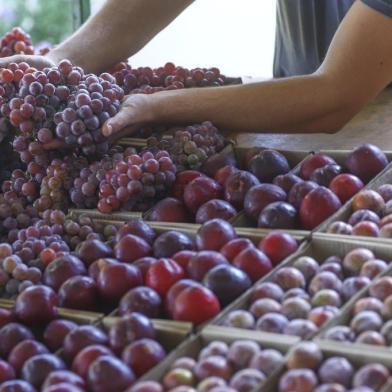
x,y
372,125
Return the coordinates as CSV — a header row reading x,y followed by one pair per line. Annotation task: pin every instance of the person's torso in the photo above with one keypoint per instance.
x,y
304,32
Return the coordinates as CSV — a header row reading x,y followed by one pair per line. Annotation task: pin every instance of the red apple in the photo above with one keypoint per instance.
x,y
199,191
254,262
214,234
277,246
345,186
169,210
163,274
313,162
196,305
259,196
116,279
183,178
317,206
130,248
366,161
237,185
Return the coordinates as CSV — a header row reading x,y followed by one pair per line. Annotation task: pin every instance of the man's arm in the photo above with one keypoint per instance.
x,y
118,30
357,66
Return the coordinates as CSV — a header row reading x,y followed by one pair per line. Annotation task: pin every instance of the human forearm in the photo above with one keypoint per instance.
x,y
117,31
357,66
290,105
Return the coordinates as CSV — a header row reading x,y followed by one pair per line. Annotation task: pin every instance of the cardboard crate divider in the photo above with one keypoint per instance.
x,y
330,349
169,333
191,228
319,248
95,214
132,142
193,345
344,318
79,316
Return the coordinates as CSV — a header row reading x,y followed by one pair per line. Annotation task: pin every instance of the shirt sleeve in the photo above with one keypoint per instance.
x,y
383,6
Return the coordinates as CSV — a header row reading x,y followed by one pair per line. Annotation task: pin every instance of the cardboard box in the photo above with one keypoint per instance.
x,y
192,347
345,317
344,213
357,358
319,249
75,213
78,316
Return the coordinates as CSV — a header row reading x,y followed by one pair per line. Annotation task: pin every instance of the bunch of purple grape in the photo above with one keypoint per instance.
x,y
29,251
85,188
134,183
95,101
16,42
191,146
169,77
32,248
15,213
58,103
58,181
20,185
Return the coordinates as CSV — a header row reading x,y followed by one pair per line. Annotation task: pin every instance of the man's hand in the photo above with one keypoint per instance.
x,y
35,61
135,111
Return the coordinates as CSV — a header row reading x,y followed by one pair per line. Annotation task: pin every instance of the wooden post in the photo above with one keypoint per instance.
x,y
81,11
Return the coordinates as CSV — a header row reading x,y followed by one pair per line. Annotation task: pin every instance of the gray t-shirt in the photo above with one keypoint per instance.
x,y
305,29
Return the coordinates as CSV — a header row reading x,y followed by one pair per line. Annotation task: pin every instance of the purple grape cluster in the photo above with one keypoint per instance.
x,y
95,101
58,181
58,103
15,213
191,146
136,182
85,189
28,251
16,42
169,77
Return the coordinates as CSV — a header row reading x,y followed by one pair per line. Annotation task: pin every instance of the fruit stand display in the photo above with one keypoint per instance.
x,y
367,319
329,367
312,287
219,359
176,260
367,214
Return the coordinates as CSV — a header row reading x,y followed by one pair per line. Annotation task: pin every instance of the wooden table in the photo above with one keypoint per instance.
x,y
372,125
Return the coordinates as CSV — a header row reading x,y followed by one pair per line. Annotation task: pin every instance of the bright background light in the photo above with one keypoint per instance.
x,y
236,36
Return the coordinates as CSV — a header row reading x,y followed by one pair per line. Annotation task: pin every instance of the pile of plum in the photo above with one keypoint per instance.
x,y
271,194
64,356
371,214
241,365
300,299
244,366
136,268
371,317
308,369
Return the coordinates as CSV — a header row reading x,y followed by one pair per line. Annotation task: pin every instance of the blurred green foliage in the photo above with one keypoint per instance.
x,y
45,20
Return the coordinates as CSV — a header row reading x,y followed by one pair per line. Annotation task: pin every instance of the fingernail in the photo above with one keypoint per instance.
x,y
109,129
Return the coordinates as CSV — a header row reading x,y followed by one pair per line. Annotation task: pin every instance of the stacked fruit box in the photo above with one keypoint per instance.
x,y
242,281
308,293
